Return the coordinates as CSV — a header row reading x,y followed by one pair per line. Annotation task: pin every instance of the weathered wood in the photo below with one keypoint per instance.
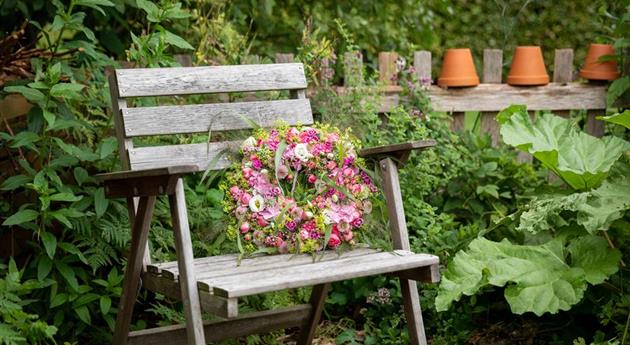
x,y
139,237
130,174
387,67
231,266
353,69
183,249
427,274
140,186
200,118
399,151
315,273
172,81
256,322
563,66
202,155
496,97
219,306
124,144
400,240
594,126
318,299
492,66
422,65
284,58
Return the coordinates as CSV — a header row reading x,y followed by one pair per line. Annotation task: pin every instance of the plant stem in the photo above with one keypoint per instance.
x,y
623,264
625,330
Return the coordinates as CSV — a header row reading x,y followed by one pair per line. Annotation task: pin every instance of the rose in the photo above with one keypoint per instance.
x,y
334,241
246,198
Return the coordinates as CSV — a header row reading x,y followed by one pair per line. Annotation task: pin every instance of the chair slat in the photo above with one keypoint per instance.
x,y
137,82
316,273
205,269
199,118
202,155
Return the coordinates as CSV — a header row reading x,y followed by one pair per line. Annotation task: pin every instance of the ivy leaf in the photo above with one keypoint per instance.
x,y
50,243
177,41
537,278
15,182
28,93
66,90
21,217
581,160
620,119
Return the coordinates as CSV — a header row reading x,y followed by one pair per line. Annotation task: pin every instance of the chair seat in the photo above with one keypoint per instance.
x,y
223,277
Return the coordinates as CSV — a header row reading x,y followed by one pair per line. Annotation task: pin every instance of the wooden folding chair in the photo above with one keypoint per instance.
x,y
214,284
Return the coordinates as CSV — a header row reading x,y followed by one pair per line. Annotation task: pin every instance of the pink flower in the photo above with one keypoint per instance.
x,y
261,221
257,164
247,172
290,225
245,228
357,222
334,241
312,178
347,236
270,212
304,234
348,172
331,165
283,171
240,211
245,197
235,191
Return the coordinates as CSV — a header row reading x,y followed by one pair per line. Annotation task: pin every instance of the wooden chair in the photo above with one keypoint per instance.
x,y
214,284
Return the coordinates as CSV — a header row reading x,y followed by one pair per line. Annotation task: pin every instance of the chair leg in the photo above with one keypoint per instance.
x,y
187,281
139,236
413,312
318,298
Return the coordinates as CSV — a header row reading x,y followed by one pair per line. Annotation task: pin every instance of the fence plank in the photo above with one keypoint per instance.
x,y
492,66
422,64
284,58
387,67
563,66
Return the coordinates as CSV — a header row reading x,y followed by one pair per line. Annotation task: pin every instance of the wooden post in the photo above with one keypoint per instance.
x,y
318,299
492,74
387,67
400,239
353,69
563,66
422,65
326,73
284,58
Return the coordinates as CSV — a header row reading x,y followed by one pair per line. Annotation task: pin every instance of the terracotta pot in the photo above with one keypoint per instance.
x,y
458,69
528,67
596,70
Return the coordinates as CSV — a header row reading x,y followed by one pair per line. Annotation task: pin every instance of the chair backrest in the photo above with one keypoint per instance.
x,y
201,118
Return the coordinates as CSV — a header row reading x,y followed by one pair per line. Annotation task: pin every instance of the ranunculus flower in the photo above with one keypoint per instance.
x,y
312,178
357,222
245,227
261,221
246,198
247,172
334,241
235,191
290,225
256,203
348,172
331,165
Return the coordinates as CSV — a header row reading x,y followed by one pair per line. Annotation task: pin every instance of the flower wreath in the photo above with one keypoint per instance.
x,y
297,190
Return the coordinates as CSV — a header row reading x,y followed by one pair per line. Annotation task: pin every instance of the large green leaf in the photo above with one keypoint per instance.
x,y
620,119
538,279
21,217
581,160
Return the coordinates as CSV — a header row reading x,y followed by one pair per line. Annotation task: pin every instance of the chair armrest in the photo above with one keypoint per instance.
x,y
132,183
400,151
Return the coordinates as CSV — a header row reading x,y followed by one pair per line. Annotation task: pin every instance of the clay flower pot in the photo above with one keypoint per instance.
x,y
596,70
528,67
458,69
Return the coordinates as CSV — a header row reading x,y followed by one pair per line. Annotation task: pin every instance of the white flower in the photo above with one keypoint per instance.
x,y
248,143
301,152
256,203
